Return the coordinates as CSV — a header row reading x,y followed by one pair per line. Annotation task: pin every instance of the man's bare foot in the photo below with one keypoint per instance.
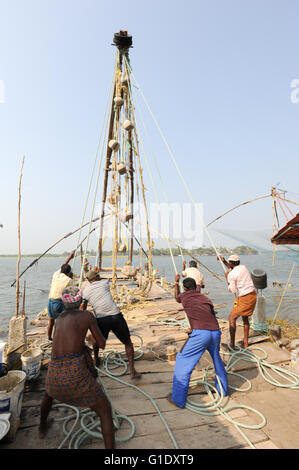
x,y
43,428
42,431
135,375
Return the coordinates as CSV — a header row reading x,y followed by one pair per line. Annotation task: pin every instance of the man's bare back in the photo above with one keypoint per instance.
x,y
70,362
70,332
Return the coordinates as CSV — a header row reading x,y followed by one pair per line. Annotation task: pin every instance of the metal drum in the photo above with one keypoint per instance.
x,y
259,278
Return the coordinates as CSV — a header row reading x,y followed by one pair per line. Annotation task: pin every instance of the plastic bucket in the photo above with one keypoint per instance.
x,y
259,279
11,392
31,362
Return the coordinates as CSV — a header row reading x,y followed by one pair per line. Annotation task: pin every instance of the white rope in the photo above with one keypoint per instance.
x,y
153,184
177,167
94,199
92,174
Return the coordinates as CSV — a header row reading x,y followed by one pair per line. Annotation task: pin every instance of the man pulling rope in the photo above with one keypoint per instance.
x,y
71,376
240,281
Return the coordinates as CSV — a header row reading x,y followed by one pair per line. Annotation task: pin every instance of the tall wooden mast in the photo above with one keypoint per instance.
x,y
123,42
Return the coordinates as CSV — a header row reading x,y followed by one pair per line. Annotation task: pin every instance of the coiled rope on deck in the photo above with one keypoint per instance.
x,y
291,379
90,423
215,406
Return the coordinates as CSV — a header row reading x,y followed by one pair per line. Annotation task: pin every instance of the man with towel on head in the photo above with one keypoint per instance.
x,y
240,282
108,316
71,376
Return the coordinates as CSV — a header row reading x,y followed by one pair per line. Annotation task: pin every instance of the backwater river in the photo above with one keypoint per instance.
x,y
38,280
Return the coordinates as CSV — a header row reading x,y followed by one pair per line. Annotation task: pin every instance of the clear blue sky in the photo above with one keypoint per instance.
x,y
216,73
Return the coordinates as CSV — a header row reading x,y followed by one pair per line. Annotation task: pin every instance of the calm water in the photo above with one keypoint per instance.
x,y
38,279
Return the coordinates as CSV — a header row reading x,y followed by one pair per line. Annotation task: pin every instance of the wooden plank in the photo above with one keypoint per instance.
x,y
215,436
201,433
146,379
160,441
155,391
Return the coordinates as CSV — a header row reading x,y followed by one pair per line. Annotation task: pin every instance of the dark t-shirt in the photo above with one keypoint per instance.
x,y
199,309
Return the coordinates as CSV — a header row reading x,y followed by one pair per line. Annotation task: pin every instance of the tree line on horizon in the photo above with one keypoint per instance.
x,y
201,251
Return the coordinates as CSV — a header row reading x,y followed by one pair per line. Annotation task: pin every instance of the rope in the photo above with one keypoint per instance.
x,y
188,252
214,407
263,326
284,292
90,424
285,205
152,179
236,207
151,400
264,367
93,428
181,252
282,208
94,202
287,200
93,171
52,246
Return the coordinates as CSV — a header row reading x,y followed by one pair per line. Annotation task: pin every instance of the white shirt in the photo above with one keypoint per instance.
x,y
195,274
59,282
239,279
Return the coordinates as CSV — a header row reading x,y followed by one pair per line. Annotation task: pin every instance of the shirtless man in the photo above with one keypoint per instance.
x,y
71,376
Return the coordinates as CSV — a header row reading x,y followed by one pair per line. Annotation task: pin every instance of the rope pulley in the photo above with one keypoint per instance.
x,y
122,40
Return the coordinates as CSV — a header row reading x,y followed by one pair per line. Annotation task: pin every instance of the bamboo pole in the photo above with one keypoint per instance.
x,y
131,175
288,200
115,183
132,116
104,195
56,243
274,221
284,292
236,207
23,306
19,241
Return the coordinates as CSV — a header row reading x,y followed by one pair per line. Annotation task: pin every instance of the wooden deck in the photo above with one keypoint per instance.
x,y
190,430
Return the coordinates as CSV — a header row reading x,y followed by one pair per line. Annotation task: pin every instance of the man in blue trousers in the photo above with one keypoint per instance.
x,y
205,335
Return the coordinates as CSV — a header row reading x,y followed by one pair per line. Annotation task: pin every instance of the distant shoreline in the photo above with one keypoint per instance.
x,y
241,250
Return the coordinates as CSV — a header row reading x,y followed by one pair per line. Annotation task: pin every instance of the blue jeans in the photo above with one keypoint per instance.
x,y
199,341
